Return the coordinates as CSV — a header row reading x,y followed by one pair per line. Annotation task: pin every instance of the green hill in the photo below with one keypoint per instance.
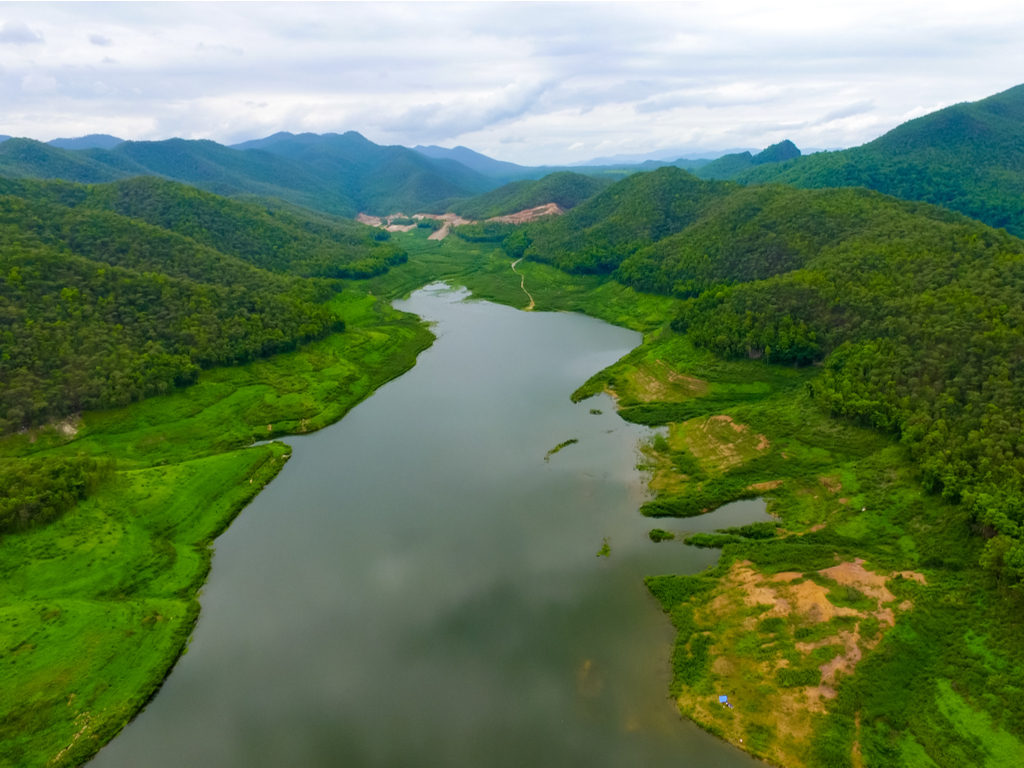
x,y
730,166
968,158
916,312
112,293
27,158
565,188
643,208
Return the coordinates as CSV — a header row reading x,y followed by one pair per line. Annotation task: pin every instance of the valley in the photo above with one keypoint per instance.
x,y
847,357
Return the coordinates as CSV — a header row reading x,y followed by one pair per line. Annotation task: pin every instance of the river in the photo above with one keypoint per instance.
x,y
419,587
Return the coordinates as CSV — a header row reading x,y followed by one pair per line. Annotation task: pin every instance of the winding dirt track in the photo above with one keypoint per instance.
x,y
522,284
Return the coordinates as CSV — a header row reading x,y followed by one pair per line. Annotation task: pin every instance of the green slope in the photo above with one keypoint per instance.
x,y
637,211
968,158
113,293
565,188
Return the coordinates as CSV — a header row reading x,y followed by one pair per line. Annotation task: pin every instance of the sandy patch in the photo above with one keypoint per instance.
x,y
856,575
813,603
768,485
530,214
846,662
787,576
373,221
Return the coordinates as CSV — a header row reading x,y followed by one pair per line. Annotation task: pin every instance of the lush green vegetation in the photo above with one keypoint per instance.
x,y
100,600
598,235
968,158
112,294
730,166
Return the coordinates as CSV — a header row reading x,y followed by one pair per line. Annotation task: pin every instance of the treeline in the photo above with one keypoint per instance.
x,y
99,308
916,313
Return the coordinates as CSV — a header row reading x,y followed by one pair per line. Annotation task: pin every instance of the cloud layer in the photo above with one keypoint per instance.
x,y
532,82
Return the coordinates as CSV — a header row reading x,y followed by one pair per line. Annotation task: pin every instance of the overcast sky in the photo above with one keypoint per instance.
x,y
527,82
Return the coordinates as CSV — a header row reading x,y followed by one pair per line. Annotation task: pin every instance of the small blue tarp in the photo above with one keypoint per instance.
x,y
722,699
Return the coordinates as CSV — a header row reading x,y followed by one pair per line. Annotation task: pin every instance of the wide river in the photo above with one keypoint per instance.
x,y
420,587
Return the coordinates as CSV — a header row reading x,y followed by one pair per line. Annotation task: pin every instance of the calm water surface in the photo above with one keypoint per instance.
x,y
419,587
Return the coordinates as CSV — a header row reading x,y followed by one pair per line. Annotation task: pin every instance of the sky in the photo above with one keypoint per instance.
x,y
532,83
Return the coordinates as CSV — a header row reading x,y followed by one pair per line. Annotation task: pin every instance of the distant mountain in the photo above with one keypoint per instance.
x,y
668,156
92,141
729,166
968,157
4,137
381,179
564,188
474,160
336,174
27,158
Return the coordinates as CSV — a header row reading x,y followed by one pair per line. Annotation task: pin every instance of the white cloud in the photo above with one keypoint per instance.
x,y
607,77
36,82
18,33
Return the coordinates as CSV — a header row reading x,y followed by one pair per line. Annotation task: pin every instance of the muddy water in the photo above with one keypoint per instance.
x,y
419,587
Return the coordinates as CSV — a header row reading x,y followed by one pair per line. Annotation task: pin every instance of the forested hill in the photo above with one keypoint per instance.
x,y
339,175
599,234
111,293
968,158
730,166
565,188
915,312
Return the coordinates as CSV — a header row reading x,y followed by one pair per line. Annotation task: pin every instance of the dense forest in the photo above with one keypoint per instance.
x,y
112,293
968,158
915,312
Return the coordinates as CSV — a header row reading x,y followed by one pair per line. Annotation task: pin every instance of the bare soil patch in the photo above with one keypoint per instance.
x,y
529,214
745,656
